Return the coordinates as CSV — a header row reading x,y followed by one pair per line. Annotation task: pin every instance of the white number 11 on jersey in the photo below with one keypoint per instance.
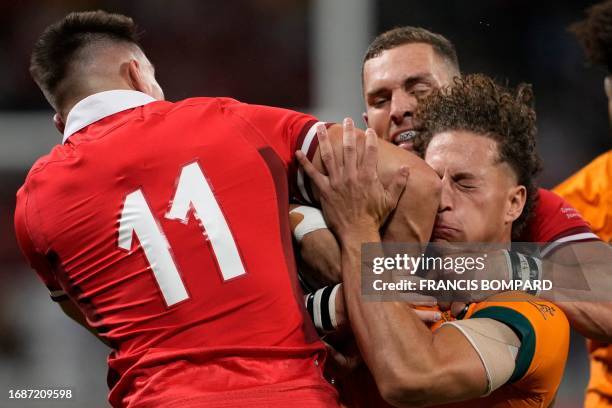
x,y
193,191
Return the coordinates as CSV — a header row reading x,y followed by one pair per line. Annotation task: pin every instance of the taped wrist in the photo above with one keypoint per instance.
x,y
313,220
321,306
524,268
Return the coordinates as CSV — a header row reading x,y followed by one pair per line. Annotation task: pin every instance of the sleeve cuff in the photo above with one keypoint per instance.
x,y
523,329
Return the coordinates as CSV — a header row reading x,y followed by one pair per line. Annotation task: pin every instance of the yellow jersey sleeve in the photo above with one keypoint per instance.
x,y
544,333
590,192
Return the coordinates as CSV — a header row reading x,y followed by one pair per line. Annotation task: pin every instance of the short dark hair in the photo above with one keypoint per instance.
x,y
409,35
478,104
58,44
595,34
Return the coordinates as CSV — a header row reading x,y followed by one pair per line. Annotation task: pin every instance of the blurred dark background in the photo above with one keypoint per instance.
x,y
301,54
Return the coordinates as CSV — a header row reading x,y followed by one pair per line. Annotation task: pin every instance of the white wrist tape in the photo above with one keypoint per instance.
x,y
524,268
332,305
321,306
313,220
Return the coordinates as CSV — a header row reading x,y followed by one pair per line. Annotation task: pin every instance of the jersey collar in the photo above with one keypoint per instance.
x,y
100,105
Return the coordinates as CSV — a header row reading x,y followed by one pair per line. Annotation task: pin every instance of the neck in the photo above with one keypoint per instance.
x,y
506,237
73,100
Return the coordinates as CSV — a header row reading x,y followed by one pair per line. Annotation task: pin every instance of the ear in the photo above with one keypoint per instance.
x,y
136,78
517,197
365,119
59,123
608,86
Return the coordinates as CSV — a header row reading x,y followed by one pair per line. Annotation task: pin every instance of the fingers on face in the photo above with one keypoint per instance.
x,y
327,152
370,156
349,145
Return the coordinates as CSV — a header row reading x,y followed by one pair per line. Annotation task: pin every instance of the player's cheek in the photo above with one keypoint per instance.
x,y
491,221
472,222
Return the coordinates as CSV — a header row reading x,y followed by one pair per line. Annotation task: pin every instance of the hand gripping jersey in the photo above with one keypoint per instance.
x,y
544,333
590,192
167,225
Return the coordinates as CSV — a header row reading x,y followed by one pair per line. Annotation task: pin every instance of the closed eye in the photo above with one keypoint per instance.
x,y
421,90
466,186
378,101
465,181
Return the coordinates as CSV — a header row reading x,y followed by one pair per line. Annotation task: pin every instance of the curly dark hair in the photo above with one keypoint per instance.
x,y
595,34
58,46
478,104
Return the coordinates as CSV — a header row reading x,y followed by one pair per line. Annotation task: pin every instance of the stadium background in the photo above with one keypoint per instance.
x,y
301,54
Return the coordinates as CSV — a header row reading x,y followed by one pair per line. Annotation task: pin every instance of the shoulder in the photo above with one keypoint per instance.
x,y
223,103
195,103
532,308
542,328
553,219
551,206
549,201
230,107
43,166
601,165
589,182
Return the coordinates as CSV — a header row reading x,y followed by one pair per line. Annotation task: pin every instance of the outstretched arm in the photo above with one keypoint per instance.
x,y
582,286
580,278
318,247
411,365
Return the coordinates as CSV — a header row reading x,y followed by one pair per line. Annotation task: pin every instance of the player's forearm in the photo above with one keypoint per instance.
x,y
591,319
591,282
321,253
583,293
581,266
394,343
414,216
319,250
582,287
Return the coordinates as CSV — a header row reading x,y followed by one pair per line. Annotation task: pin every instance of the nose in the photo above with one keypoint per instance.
x,y
402,106
446,197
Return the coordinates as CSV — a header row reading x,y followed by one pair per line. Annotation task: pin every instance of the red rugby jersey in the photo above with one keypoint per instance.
x,y
555,223
167,224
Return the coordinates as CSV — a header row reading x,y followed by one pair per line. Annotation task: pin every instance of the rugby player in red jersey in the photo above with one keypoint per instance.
x,y
162,227
404,64
509,349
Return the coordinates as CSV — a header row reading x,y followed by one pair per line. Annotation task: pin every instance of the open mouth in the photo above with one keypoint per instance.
x,y
405,137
